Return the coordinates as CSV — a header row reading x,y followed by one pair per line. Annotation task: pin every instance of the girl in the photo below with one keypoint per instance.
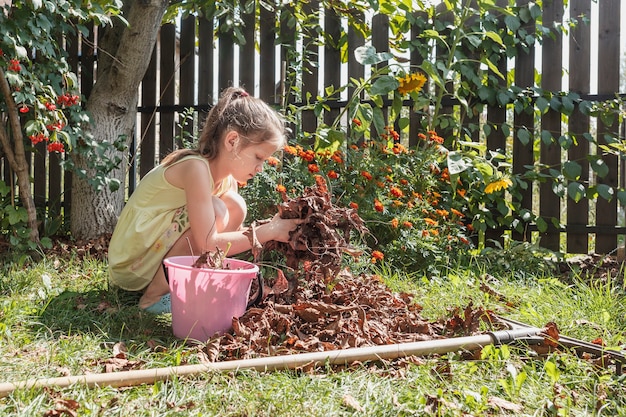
x,y
189,203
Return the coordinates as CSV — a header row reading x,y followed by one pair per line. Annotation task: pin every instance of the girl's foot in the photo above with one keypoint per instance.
x,y
164,305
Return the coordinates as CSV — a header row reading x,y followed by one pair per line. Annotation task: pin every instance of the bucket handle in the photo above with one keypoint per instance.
x,y
258,297
167,276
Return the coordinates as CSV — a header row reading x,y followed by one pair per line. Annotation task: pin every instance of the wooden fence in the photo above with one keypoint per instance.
x,y
190,66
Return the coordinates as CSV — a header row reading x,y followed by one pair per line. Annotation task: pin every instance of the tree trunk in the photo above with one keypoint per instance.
x,y
17,159
124,56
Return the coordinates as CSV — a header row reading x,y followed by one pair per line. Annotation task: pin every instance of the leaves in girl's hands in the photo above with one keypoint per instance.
x,y
321,239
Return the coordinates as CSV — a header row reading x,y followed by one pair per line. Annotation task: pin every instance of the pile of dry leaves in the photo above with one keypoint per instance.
x,y
316,306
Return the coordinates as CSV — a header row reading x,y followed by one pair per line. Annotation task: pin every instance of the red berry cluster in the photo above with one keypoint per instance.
x,y
14,65
68,100
56,147
39,137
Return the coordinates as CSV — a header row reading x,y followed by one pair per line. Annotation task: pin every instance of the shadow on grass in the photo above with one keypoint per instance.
x,y
113,313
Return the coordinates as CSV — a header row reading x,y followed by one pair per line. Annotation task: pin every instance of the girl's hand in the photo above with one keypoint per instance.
x,y
279,228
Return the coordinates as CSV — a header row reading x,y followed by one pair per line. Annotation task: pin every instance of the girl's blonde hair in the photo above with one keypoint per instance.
x,y
251,117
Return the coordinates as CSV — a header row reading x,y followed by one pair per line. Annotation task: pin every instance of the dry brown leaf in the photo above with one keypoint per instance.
x,y
551,334
351,402
503,404
115,364
212,349
281,284
119,350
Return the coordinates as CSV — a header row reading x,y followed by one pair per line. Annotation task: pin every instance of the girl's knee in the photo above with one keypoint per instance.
x,y
237,210
221,214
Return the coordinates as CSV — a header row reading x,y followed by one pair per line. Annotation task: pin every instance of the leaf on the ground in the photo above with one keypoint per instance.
x,y
434,404
63,407
119,350
487,289
212,349
598,341
156,346
469,323
117,364
280,284
503,404
105,306
351,402
551,334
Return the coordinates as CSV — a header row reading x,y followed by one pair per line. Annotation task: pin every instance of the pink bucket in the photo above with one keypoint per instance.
x,y
204,301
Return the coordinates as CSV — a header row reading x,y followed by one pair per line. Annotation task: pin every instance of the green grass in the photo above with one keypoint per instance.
x,y
60,318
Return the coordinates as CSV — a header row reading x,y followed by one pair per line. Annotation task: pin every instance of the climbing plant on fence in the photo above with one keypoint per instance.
x,y
503,132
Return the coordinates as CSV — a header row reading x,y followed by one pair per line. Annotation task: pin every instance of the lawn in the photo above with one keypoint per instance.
x,y
59,317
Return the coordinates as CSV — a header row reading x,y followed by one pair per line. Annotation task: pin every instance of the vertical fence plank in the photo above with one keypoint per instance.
x,y
285,92
579,82
310,68
332,59
287,36
147,135
354,68
267,52
608,83
524,122
496,115
226,58
550,153
167,83
88,58
496,140
187,71
205,66
380,41
247,61
40,176
441,52
416,59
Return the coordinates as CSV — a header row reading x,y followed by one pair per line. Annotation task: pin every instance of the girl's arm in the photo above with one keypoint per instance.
x,y
198,185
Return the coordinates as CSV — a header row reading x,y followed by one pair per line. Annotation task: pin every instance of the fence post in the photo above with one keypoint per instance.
x,y
310,69
496,139
332,58
187,71
247,53
416,59
523,152
267,64
550,153
225,58
608,83
579,82
147,138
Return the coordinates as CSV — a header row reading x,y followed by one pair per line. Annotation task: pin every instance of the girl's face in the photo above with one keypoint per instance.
x,y
249,160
